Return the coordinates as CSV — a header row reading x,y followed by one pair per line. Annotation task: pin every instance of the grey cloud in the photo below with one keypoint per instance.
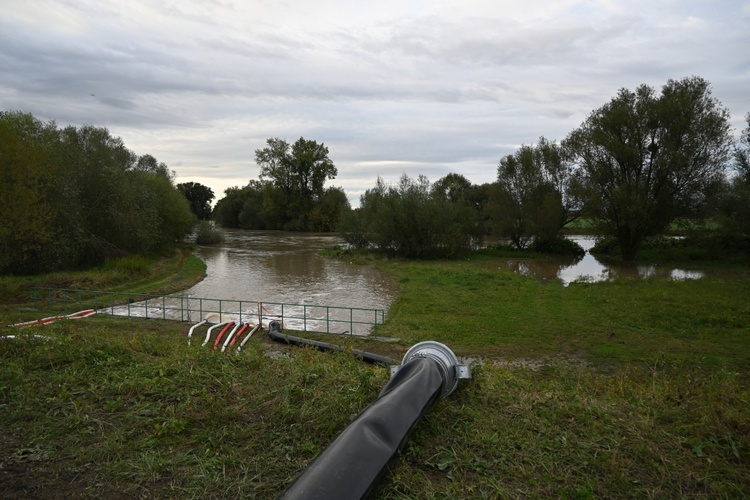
x,y
200,85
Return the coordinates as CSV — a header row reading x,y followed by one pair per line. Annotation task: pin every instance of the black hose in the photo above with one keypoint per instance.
x,y
351,466
274,330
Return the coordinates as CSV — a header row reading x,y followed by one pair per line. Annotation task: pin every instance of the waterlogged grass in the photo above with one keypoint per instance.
x,y
479,309
626,389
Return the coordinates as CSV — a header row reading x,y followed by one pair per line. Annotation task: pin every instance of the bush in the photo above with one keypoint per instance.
x,y
560,246
408,220
605,246
207,234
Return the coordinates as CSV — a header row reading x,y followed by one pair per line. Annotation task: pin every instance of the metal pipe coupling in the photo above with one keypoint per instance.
x,y
446,360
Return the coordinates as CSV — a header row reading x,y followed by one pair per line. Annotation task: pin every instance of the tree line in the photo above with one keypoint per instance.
x,y
634,167
73,196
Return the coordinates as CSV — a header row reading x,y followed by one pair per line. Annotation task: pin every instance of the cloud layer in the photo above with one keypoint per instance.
x,y
418,87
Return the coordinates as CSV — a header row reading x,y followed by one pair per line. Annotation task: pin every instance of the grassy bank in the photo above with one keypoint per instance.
x,y
135,274
628,389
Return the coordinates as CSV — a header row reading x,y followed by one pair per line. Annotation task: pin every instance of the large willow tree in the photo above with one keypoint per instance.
x,y
647,159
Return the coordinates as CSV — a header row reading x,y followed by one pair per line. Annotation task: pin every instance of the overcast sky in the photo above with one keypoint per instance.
x,y
390,87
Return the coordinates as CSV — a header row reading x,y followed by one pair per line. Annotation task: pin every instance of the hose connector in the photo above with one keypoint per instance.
x,y
446,360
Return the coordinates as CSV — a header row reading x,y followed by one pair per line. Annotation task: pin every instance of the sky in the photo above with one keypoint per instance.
x,y
390,87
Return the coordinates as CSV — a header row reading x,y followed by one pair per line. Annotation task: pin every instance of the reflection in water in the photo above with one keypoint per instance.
x,y
274,266
590,269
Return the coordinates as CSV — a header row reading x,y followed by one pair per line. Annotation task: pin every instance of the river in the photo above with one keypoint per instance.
x,y
276,266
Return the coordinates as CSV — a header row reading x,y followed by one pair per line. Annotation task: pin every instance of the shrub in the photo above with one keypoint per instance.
x,y
207,234
560,246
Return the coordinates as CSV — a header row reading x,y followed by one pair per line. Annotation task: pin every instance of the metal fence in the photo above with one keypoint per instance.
x,y
301,317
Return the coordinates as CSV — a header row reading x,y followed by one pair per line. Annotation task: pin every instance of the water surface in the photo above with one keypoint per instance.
x,y
276,266
591,269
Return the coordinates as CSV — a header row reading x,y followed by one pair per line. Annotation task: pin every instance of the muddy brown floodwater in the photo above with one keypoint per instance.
x,y
275,266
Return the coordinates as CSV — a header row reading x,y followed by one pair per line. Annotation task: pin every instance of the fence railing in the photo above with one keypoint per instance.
x,y
301,317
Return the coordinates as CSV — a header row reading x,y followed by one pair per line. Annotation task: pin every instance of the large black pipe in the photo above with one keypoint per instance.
x,y
351,466
274,331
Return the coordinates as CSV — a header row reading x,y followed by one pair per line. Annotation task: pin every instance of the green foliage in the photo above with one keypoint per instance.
x,y
535,196
297,175
290,194
411,220
78,196
648,159
731,209
559,246
207,234
26,170
742,153
199,197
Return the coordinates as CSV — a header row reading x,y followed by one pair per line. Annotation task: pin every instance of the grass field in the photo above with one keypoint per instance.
x,y
629,389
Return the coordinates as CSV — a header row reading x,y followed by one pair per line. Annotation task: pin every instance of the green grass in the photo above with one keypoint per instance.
x,y
134,274
479,309
628,389
108,406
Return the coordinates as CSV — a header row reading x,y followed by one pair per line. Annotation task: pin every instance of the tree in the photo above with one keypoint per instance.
x,y
325,216
454,188
199,197
299,173
742,153
149,164
647,159
412,220
733,206
73,197
536,194
25,175
462,212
